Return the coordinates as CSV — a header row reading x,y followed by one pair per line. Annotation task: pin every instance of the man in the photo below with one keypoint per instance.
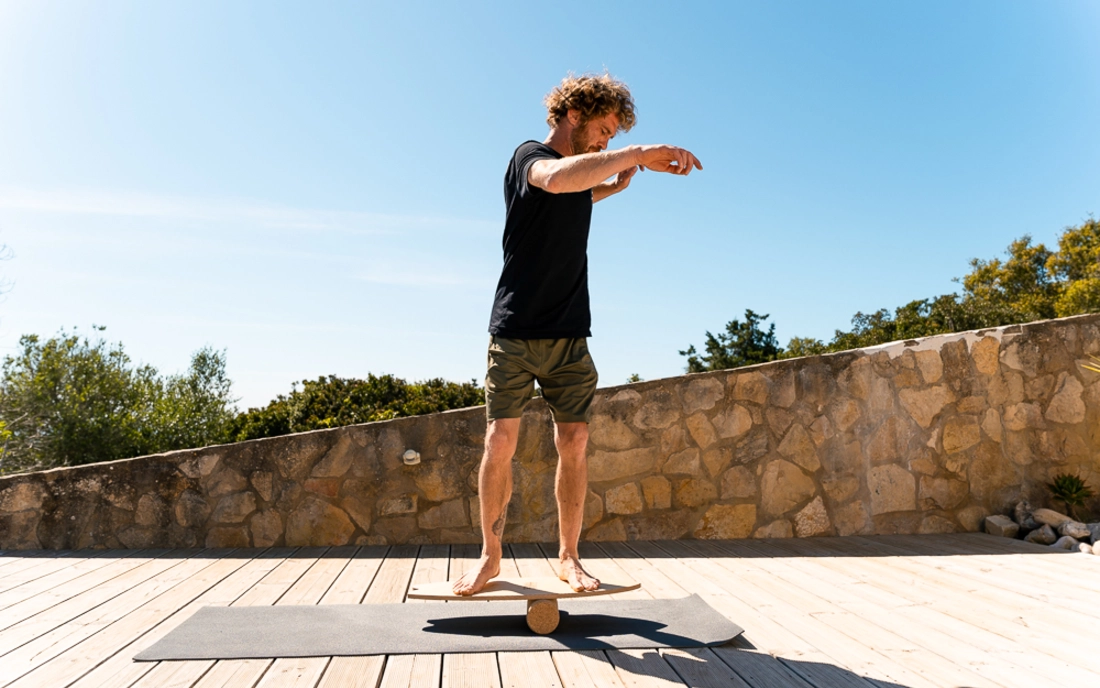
x,y
541,317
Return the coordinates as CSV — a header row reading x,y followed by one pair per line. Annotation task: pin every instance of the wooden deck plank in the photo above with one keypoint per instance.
x,y
585,669
701,668
753,587
763,630
523,669
393,577
759,669
356,577
889,611
120,669
47,646
412,671
471,670
55,616
643,669
350,588
432,565
405,671
306,672
34,563
85,585
21,585
79,659
967,627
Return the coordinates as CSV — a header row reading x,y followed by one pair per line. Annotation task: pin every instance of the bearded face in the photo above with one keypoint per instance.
x,y
580,140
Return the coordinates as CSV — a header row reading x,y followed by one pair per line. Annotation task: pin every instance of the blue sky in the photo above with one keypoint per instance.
x,y
316,187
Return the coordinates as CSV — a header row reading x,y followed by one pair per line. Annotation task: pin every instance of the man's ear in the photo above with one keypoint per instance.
x,y
574,117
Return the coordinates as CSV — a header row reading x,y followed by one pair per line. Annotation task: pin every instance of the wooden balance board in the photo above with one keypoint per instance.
x,y
541,594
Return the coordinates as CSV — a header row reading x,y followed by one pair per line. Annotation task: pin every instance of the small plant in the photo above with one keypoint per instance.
x,y
1071,490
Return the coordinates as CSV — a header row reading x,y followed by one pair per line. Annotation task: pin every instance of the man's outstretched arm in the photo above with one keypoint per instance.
x,y
582,172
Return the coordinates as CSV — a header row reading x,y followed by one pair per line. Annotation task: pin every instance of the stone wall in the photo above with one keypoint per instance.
x,y
923,436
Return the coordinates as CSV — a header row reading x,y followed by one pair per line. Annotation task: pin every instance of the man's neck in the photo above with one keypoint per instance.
x,y
559,140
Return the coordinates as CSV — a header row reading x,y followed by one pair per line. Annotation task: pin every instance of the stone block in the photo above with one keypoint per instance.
x,y
716,460
610,531
821,430
234,508
840,488
151,511
1094,531
751,386
1067,405
624,499
776,529
783,487
267,528
611,433
191,509
694,492
930,365
1001,526
932,525
336,461
844,413
200,466
738,483
359,510
892,489
778,420
733,422
19,530
655,415
1050,517
226,481
852,519
1022,416
1075,530
1065,542
593,510
438,481
1023,514
942,493
701,394
984,353
923,405
971,518
727,521
227,536
657,491
606,466
799,448
701,431
405,504
812,520
683,463
23,496
961,433
318,523
261,482
450,514
1044,535
325,487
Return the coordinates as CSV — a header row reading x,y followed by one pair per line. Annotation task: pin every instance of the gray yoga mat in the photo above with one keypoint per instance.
x,y
437,627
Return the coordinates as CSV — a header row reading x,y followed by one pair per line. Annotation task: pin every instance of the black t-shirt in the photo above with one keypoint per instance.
x,y
543,288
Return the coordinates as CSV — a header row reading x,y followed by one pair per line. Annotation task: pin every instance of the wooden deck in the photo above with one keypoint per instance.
x,y
935,611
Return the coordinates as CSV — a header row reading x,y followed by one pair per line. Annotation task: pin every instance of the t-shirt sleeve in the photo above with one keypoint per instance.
x,y
526,155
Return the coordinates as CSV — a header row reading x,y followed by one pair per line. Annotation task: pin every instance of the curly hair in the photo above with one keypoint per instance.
x,y
594,95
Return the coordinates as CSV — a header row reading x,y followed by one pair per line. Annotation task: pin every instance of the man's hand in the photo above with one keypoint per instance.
x,y
671,159
622,180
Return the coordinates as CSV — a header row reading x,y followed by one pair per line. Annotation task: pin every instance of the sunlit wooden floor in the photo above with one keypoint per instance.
x,y
935,611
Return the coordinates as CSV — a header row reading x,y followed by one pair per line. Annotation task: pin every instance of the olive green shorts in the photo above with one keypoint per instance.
x,y
562,367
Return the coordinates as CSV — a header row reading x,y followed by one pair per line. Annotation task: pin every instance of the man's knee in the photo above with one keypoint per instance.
x,y
501,438
571,439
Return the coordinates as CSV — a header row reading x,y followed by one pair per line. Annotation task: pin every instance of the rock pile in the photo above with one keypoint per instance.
x,y
1046,527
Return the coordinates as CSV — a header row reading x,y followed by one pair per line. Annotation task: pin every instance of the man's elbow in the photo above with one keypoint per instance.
x,y
550,183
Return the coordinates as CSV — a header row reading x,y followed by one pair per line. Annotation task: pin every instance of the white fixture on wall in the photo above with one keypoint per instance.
x,y
411,457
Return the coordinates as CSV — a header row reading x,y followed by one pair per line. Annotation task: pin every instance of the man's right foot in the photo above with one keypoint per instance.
x,y
475,579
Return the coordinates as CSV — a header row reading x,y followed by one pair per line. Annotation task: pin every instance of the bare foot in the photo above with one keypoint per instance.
x,y
475,579
574,574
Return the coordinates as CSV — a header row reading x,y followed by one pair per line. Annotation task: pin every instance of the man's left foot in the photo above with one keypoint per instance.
x,y
574,574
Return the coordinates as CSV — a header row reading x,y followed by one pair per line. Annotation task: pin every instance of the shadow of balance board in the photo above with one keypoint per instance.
x,y
542,595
